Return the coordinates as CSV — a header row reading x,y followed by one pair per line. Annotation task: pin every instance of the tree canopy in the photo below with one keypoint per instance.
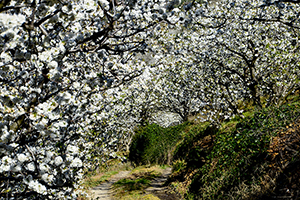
x,y
77,76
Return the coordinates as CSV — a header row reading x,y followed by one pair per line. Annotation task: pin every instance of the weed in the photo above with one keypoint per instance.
x,y
239,150
179,165
233,162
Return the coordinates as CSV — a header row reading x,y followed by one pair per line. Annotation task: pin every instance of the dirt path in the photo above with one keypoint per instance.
x,y
158,189
104,192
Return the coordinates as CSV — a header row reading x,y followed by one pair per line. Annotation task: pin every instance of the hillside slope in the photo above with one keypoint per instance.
x,y
251,158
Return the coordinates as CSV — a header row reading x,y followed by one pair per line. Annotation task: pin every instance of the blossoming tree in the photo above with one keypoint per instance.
x,y
63,64
56,59
249,50
225,54
239,52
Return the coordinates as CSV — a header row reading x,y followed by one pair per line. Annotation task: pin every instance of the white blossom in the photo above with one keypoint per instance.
x,y
31,166
58,160
22,157
76,163
38,187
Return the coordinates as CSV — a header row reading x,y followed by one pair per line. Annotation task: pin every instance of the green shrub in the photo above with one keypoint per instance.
x,y
190,149
153,144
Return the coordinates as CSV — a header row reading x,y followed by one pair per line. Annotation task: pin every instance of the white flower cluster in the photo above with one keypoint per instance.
x,y
58,61
76,77
38,187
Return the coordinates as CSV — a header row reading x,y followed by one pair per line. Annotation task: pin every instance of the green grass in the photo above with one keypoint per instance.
x,y
136,195
133,187
96,180
233,161
136,184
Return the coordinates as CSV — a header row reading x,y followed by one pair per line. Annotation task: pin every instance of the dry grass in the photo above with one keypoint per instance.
x,y
132,188
104,173
156,169
138,196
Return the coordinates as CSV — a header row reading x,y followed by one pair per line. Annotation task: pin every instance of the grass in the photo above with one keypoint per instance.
x,y
248,157
130,188
104,173
133,187
138,196
155,170
96,180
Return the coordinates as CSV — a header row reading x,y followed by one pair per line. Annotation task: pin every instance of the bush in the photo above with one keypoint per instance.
x,y
153,144
195,145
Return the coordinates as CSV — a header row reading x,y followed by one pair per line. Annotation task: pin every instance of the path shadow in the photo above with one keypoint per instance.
x,y
160,190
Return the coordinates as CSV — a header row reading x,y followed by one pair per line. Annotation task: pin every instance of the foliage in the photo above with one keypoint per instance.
x,y
239,159
153,144
178,166
190,149
284,161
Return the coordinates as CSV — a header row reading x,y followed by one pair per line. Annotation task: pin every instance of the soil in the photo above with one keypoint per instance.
x,y
103,191
157,187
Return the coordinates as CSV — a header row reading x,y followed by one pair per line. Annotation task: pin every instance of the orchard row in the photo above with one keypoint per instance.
x,y
77,76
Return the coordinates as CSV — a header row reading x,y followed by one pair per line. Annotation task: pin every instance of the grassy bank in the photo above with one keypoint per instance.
x,y
250,157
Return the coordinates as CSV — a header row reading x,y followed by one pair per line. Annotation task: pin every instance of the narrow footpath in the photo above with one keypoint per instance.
x,y
158,189
104,191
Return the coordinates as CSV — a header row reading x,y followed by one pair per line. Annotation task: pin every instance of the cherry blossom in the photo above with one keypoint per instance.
x,y
78,76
